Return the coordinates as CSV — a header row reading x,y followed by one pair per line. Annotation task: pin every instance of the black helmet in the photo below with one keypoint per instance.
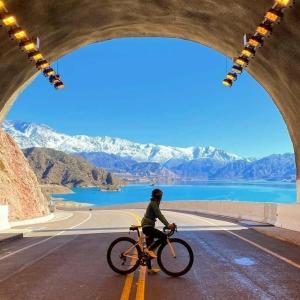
x,y
157,194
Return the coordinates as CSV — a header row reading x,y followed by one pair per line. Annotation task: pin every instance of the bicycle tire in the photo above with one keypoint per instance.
x,y
108,255
165,269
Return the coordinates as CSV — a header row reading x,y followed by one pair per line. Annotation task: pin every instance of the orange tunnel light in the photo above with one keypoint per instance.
x,y
49,72
231,76
273,16
227,82
36,55
19,34
9,20
241,61
263,29
255,42
43,64
248,52
28,46
2,6
59,85
54,79
283,3
237,69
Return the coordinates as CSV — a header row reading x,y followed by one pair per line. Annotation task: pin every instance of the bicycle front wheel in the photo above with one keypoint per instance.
x,y
123,255
175,258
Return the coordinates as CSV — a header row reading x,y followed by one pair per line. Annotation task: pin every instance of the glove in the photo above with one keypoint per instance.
x,y
171,226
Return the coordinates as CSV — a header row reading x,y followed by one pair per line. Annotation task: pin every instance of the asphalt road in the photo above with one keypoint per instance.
x,y
66,259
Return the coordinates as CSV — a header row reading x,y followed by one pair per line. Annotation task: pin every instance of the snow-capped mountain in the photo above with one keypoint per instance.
x,y
34,135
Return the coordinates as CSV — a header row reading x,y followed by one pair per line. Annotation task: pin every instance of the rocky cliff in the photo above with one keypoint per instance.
x,y
19,187
56,167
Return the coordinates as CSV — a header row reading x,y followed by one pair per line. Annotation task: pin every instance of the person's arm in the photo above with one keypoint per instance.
x,y
158,213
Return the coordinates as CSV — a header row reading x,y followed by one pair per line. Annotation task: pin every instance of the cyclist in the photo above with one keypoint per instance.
x,y
148,224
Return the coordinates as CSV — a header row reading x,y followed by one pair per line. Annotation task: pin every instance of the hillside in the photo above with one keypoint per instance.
x,y
56,167
18,184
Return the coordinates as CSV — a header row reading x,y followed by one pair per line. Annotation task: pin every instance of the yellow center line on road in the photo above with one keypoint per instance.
x,y
129,278
140,289
290,262
127,287
132,214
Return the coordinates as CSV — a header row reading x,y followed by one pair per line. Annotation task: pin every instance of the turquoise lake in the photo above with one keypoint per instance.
x,y
258,192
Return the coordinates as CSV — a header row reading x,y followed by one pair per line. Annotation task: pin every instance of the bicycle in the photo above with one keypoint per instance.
x,y
125,255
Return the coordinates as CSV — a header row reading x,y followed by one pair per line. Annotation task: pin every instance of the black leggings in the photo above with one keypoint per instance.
x,y
151,233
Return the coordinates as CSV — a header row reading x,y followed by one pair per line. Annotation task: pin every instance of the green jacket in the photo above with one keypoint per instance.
x,y
152,213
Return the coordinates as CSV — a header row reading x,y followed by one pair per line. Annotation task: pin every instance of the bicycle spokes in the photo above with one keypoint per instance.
x,y
175,257
124,255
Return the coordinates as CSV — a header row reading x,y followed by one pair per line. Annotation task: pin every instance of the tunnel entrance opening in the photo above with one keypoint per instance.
x,y
147,81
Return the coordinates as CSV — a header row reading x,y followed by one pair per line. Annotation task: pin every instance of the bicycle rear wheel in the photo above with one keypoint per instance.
x,y
176,258
123,255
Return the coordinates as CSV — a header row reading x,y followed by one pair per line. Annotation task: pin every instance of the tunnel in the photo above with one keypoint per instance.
x,y
64,26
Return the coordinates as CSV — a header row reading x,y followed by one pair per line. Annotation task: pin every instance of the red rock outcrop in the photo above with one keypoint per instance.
x,y
19,187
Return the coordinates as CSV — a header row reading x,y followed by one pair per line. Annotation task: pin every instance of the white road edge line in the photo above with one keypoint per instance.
x,y
45,240
286,260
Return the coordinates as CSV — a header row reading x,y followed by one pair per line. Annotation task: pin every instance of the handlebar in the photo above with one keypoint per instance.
x,y
168,231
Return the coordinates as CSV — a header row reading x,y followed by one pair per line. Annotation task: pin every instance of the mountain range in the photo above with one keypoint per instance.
x,y
276,167
155,163
29,135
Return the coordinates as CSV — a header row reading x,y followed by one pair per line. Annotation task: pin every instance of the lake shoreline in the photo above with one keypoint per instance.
x,y
137,194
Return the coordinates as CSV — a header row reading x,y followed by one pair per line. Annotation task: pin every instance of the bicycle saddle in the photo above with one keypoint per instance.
x,y
134,227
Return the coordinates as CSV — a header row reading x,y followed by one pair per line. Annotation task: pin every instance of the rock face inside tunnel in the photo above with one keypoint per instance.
x,y
18,184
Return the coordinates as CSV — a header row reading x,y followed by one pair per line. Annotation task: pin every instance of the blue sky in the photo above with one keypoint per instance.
x,y
155,90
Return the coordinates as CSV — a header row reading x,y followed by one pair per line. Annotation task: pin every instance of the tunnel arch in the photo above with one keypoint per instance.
x,y
64,26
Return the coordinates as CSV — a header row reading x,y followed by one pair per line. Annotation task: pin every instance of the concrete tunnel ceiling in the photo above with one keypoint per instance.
x,y
64,26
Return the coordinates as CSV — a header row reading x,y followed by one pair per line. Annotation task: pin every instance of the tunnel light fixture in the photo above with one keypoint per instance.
x,y
271,18
35,55
243,62
248,52
18,33
9,20
273,15
54,79
255,42
263,30
227,82
284,3
42,64
237,69
2,7
49,72
231,76
27,44
59,85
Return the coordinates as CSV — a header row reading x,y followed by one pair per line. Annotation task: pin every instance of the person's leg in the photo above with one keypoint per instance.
x,y
149,240
161,238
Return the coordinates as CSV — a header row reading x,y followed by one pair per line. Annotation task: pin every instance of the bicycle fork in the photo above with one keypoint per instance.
x,y
171,248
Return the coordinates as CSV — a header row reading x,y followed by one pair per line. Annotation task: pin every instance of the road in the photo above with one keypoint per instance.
x,y
66,259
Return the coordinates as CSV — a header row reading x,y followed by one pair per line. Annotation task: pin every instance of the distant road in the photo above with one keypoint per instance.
x,y
66,259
